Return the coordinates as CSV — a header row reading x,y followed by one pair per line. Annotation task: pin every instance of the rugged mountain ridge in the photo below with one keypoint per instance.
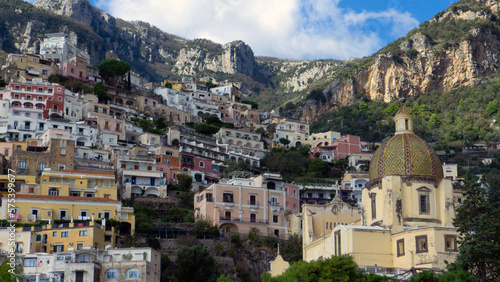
x,y
455,48
155,54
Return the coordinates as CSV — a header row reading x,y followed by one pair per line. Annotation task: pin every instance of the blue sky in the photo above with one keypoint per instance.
x,y
288,29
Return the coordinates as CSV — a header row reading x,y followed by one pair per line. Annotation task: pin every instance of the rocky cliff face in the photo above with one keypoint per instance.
x,y
423,61
233,57
455,48
156,54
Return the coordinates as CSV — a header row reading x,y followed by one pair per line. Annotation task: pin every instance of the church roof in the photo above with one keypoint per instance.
x,y
405,154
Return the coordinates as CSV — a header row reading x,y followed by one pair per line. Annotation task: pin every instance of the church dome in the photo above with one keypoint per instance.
x,y
405,153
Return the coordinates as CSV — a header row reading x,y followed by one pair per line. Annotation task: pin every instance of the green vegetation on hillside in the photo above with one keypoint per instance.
x,y
455,117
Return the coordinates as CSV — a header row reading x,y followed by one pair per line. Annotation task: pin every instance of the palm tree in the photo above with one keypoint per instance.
x,y
7,274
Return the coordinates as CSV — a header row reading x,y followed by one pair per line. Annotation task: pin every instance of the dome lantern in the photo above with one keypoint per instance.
x,y
404,121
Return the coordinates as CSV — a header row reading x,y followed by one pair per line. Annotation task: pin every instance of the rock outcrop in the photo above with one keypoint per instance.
x,y
420,63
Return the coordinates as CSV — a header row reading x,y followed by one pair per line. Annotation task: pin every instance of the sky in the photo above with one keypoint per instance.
x,y
286,29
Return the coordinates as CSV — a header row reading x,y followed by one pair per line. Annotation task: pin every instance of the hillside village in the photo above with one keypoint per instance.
x,y
88,157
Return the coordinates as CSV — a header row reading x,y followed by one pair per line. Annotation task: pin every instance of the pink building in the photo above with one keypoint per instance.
x,y
35,98
75,67
292,198
241,205
339,149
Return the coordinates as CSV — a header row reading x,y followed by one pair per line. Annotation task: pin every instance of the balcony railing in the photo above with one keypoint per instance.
x,y
253,203
56,112
244,220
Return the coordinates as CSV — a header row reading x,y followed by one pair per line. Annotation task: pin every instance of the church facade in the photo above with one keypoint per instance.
x,y
407,210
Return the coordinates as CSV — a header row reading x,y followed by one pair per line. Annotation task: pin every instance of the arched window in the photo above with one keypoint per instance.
x,y
53,192
112,274
133,273
202,164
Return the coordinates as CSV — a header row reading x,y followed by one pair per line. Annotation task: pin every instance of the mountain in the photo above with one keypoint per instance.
x,y
153,53
457,47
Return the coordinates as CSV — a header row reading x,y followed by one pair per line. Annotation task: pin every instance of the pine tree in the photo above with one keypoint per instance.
x,y
478,223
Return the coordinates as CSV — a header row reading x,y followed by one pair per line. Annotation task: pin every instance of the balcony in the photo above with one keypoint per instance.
x,y
53,112
244,220
253,203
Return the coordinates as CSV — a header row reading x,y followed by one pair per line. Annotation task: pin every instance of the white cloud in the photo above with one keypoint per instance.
x,y
292,29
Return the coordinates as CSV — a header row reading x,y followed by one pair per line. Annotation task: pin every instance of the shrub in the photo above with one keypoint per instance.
x,y
235,239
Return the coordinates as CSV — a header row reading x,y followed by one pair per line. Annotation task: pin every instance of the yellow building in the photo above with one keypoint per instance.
x,y
78,184
407,209
18,181
59,237
36,208
24,241
320,220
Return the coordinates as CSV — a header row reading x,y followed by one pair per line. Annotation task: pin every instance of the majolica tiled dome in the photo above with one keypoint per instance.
x,y
405,153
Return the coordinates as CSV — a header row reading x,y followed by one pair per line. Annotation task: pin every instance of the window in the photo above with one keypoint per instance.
x,y
275,218
64,234
41,166
401,247
227,215
373,197
106,124
79,246
22,165
337,243
253,217
450,243
54,234
104,111
202,164
227,197
96,109
421,244
253,201
423,200
53,192
29,262
83,213
424,203
133,273
6,152
209,197
83,233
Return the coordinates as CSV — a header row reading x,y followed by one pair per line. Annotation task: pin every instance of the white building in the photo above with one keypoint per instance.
x,y
58,48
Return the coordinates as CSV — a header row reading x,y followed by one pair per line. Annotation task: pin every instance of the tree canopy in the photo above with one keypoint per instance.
x,y
478,224
113,70
195,264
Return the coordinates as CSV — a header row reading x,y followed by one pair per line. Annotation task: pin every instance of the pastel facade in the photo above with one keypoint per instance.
x,y
407,210
245,204
28,67
60,237
78,184
294,131
319,221
89,264
339,149
24,242
138,176
34,208
323,138
76,68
